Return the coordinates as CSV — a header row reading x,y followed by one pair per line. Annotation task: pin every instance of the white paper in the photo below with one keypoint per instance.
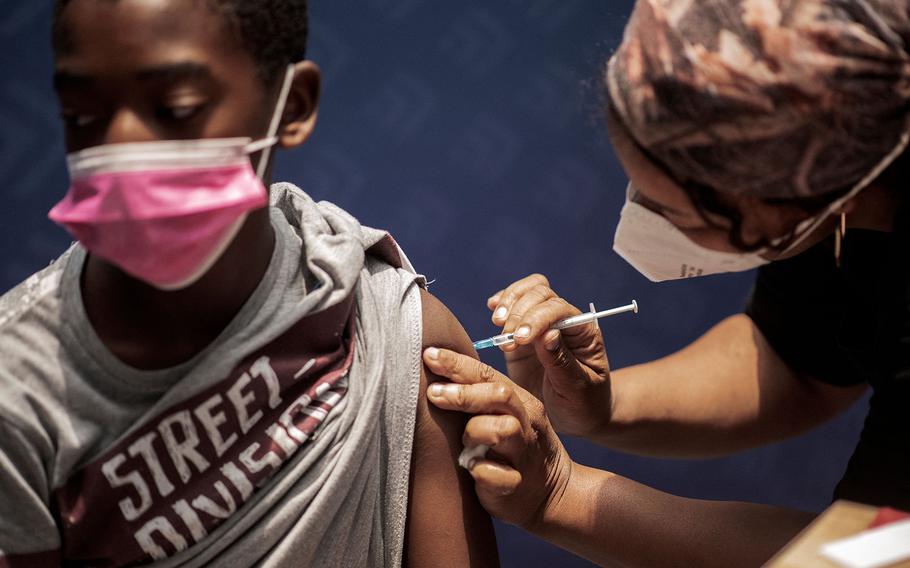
x,y
469,455
881,546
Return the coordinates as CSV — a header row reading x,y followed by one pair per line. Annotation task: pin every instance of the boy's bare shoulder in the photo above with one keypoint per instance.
x,y
441,328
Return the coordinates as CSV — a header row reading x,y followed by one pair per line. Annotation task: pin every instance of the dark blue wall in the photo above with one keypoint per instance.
x,y
471,131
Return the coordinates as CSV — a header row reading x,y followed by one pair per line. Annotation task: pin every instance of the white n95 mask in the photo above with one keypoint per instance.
x,y
662,252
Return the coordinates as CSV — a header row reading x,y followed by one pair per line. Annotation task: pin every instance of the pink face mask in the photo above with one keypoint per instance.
x,y
164,212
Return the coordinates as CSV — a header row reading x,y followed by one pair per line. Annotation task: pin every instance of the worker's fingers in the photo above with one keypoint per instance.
x,y
575,359
586,343
504,300
528,303
460,368
531,298
503,434
482,398
493,300
494,479
541,318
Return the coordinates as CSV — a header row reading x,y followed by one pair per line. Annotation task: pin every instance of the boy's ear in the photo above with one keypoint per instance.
x,y
299,117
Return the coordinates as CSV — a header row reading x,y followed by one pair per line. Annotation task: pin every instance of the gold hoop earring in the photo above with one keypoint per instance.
x,y
840,232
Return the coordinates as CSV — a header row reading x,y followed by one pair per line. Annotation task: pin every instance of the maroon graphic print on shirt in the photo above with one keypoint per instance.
x,y
181,474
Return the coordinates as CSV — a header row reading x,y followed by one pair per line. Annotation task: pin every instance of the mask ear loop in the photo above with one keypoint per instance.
x,y
839,234
271,139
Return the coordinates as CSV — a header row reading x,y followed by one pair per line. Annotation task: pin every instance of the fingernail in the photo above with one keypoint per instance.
x,y
523,331
444,390
551,340
432,353
500,313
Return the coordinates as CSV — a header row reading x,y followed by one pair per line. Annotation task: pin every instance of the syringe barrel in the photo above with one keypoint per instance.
x,y
574,320
582,319
503,339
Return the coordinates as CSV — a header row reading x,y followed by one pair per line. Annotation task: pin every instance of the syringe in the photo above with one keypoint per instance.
x,y
581,319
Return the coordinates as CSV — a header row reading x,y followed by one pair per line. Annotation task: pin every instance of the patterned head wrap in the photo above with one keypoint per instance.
x,y
766,98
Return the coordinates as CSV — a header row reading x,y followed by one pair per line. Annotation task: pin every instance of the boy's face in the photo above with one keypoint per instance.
x,y
145,70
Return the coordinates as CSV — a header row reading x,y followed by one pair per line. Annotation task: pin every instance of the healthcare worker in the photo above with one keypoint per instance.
x,y
755,133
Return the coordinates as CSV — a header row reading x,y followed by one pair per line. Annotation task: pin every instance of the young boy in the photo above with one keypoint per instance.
x,y
207,378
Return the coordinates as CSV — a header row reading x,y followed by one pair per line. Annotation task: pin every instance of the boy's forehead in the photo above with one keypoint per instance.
x,y
133,31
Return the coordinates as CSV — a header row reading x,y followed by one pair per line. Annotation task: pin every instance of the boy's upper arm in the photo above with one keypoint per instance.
x,y
446,525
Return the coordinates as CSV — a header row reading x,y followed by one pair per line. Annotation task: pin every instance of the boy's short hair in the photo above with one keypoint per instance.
x,y
274,32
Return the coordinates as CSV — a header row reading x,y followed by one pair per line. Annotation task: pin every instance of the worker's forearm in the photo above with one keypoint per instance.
x,y
667,414
609,519
726,392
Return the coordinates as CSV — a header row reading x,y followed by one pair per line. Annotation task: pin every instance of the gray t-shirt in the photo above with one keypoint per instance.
x,y
286,441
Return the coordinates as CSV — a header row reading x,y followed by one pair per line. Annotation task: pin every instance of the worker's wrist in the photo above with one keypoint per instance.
x,y
575,518
562,502
615,420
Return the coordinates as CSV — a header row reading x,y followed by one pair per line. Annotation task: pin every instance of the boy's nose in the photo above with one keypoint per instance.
x,y
126,126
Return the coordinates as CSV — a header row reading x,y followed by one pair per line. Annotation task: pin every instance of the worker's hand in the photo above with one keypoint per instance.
x,y
567,370
526,469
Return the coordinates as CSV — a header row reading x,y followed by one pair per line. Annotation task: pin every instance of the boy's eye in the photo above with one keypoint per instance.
x,y
79,120
178,112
